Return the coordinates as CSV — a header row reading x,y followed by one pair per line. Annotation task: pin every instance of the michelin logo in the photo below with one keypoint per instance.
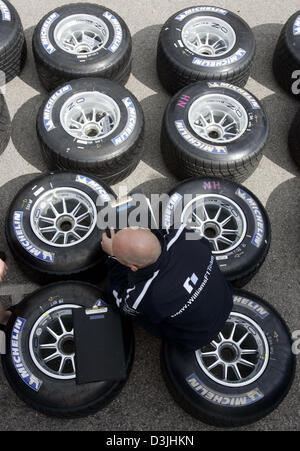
x,y
239,54
200,9
94,186
45,256
219,399
218,84
258,309
131,122
259,222
118,32
32,381
48,123
169,213
181,127
296,27
5,12
45,33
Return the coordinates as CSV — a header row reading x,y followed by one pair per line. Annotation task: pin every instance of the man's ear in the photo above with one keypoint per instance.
x,y
133,268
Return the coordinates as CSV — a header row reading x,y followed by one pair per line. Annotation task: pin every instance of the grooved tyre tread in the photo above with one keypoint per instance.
x,y
175,67
286,58
112,163
187,154
59,67
13,49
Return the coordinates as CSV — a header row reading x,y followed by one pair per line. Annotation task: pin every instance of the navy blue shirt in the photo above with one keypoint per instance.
x,y
182,298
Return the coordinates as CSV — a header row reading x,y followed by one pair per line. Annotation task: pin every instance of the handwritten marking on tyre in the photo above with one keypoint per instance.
x,y
221,399
16,354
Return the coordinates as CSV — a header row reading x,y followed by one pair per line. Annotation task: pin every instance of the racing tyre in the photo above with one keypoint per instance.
x,y
230,217
40,353
81,40
13,49
243,375
286,59
51,226
294,139
213,129
5,124
204,43
92,125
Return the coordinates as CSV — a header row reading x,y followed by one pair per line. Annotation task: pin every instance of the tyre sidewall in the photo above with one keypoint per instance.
x,y
69,63
179,130
226,405
39,255
243,49
43,391
54,136
9,24
256,242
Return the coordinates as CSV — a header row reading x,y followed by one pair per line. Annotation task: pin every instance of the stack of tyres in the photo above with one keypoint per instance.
x,y
286,59
214,129
81,40
204,43
13,49
92,125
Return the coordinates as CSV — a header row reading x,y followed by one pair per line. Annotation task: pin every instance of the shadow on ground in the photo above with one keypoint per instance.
x,y
24,134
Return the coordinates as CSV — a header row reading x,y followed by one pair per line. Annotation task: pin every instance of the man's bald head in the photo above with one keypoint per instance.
x,y
136,247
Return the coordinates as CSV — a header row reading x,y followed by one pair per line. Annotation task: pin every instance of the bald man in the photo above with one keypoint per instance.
x,y
171,285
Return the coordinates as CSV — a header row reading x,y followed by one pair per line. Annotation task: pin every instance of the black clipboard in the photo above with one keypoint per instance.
x,y
99,345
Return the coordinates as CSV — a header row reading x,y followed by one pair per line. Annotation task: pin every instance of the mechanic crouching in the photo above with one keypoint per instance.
x,y
170,284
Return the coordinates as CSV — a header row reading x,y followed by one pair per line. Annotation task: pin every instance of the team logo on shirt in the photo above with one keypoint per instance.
x,y
190,283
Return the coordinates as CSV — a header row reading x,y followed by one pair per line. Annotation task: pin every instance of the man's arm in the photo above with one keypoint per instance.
x,y
117,273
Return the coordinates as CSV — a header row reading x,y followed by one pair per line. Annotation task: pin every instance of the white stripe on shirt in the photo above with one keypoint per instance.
x,y
137,302
180,230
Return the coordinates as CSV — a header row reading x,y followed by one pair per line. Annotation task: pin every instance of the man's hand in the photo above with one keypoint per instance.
x,y
3,270
107,243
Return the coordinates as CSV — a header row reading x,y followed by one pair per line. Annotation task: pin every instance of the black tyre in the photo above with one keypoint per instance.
x,y
204,43
213,129
51,226
230,217
243,375
13,49
93,125
286,59
294,139
81,40
49,384
5,124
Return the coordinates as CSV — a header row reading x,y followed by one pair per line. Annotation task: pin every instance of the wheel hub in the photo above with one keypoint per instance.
x,y
238,356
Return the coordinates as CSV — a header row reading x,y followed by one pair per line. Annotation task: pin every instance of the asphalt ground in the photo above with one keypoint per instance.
x,y
145,404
